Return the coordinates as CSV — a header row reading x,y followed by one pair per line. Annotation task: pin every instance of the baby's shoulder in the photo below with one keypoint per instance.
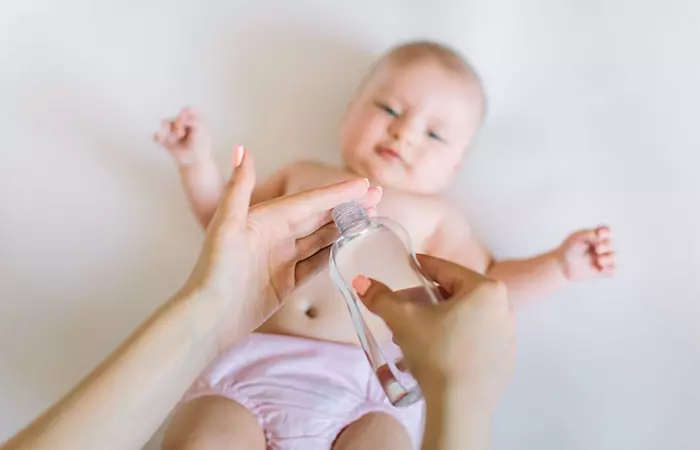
x,y
423,211
306,174
441,213
302,167
432,206
306,164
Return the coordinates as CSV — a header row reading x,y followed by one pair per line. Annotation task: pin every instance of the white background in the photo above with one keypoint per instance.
x,y
593,117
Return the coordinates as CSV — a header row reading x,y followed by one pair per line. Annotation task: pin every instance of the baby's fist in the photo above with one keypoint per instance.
x,y
587,254
185,138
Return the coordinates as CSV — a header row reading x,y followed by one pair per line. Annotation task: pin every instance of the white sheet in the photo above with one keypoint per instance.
x,y
593,118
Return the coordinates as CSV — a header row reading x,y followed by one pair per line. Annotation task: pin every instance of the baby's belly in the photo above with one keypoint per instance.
x,y
316,310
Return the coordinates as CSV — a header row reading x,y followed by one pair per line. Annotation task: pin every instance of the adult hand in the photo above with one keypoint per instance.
x,y
465,343
252,258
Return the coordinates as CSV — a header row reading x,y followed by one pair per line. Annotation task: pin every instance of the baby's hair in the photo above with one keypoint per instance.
x,y
424,50
417,51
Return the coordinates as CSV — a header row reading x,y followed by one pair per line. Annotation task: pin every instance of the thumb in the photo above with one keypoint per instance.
x,y
236,198
382,301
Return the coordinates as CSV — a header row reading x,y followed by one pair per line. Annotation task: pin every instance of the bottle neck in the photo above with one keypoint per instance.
x,y
350,216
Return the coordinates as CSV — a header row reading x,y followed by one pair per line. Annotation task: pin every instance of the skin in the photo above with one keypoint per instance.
x,y
406,130
409,126
461,351
250,260
125,399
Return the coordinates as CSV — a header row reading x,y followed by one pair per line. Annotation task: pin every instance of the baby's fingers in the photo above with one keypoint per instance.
x,y
189,114
163,134
603,233
603,247
606,263
189,118
608,271
582,239
178,128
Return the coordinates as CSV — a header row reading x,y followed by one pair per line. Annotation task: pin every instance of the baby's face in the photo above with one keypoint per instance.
x,y
410,125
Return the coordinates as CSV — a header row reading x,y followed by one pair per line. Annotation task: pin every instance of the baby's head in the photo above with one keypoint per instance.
x,y
413,117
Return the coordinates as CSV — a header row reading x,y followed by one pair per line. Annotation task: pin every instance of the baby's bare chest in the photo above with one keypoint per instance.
x,y
316,309
417,214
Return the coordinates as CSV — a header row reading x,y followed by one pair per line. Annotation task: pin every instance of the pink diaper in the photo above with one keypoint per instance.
x,y
304,392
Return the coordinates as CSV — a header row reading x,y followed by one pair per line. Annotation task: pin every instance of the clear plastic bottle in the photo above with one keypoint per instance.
x,y
381,249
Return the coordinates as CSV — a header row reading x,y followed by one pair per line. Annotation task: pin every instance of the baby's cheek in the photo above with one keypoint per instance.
x,y
434,165
433,173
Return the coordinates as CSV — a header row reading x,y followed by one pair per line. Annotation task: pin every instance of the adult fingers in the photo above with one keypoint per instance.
x,y
310,266
296,208
418,295
384,302
312,223
371,198
236,198
453,278
315,242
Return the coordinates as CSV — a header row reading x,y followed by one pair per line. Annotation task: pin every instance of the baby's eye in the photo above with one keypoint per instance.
x,y
434,135
388,110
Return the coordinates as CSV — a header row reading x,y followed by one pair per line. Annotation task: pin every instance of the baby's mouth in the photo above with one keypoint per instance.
x,y
390,155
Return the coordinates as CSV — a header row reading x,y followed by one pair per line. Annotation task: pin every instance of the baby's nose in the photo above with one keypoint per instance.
x,y
402,130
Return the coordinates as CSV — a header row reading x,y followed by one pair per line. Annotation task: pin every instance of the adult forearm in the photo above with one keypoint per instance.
x,y
530,279
203,187
456,420
125,399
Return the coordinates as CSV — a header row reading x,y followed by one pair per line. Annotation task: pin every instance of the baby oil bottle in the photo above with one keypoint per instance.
x,y
381,249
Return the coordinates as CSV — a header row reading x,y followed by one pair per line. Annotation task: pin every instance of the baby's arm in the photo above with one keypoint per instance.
x,y
189,143
583,255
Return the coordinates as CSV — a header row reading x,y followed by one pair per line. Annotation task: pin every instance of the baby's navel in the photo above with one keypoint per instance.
x,y
311,312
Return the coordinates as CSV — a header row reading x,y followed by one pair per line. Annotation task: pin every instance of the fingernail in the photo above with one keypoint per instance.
x,y
367,181
361,284
238,153
379,188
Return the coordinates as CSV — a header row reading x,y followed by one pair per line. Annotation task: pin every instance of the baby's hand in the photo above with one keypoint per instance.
x,y
185,138
587,254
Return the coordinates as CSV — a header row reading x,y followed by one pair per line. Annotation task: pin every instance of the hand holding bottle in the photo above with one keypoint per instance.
x,y
464,344
380,248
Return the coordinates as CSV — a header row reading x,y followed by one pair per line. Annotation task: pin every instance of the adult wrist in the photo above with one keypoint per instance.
x,y
218,318
460,395
457,417
202,319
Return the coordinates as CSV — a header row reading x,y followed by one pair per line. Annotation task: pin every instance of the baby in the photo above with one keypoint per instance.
x,y
301,381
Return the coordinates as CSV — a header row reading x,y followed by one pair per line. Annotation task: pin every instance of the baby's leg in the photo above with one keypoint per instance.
x,y
213,422
372,431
